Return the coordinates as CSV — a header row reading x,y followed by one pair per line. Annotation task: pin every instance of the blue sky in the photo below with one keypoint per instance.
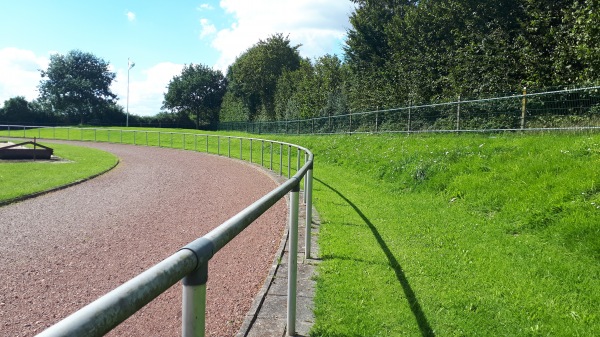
x,y
159,36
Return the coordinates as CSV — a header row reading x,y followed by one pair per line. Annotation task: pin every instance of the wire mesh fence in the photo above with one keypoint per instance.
x,y
561,109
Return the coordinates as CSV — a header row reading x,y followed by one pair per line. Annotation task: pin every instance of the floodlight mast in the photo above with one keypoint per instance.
x,y
129,66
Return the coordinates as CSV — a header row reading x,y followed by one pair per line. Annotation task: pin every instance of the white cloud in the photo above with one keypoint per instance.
x,y
205,7
130,16
320,26
207,28
19,73
146,87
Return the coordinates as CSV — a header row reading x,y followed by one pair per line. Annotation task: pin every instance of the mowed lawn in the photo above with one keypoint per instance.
x,y
446,234
18,179
458,235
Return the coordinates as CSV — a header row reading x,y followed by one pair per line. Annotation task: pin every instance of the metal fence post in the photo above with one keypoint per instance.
x,y
241,151
194,303
262,153
523,107
458,115
289,161
280,159
219,145
308,201
293,262
271,160
229,146
251,150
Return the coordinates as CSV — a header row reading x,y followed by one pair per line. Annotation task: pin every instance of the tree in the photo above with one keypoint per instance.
x,y
198,91
77,85
253,76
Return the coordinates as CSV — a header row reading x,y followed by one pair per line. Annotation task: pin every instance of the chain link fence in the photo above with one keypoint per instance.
x,y
561,109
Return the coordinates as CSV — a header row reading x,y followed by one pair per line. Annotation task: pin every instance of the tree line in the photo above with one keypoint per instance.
x,y
397,52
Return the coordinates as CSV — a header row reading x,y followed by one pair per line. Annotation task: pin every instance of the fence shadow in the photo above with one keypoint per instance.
x,y
413,302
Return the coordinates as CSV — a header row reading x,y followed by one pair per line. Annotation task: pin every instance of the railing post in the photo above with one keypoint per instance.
x,y
194,303
305,178
523,108
289,161
280,159
218,145
229,146
262,153
206,143
293,262
134,133
196,142
159,139
308,201
271,165
458,115
250,150
241,151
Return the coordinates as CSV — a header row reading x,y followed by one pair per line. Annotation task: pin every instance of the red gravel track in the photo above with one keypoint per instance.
x,y
64,249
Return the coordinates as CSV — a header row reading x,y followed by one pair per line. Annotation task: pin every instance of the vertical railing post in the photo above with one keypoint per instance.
x,y
206,143
146,138
305,178
219,145
241,151
195,142
280,159
250,150
159,139
289,161
134,133
171,139
229,146
297,160
458,115
262,153
271,165
523,108
194,303
308,201
293,262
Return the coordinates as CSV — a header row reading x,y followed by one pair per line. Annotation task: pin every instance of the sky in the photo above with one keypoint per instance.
x,y
159,36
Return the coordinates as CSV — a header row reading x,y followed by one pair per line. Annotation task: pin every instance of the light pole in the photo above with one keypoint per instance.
x,y
129,66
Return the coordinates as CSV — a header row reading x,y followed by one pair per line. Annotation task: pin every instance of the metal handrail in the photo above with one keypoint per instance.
x,y
190,263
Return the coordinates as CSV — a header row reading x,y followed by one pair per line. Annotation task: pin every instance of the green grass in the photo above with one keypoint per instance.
x,y
445,234
21,179
458,235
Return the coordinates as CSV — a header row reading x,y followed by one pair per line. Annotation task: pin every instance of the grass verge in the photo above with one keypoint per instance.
x,y
458,235
19,179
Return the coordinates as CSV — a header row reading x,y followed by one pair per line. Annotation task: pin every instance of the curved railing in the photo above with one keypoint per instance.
x,y
190,263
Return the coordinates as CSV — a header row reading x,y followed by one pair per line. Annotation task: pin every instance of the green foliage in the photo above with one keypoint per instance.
x,y
77,86
198,91
253,76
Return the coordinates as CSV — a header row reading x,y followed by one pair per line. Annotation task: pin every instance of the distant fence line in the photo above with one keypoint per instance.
x,y
561,109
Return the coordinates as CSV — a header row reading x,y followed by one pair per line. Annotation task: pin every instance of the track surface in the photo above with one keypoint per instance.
x,y
64,249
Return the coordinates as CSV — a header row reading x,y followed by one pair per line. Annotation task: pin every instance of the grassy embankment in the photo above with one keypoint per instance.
x,y
470,235
20,179
465,234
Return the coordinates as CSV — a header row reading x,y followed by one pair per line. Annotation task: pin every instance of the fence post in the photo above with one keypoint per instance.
x,y
218,145
250,150
206,143
523,107
194,303
289,161
241,149
377,120
271,164
409,105
262,153
134,133
308,201
458,115
280,159
229,146
293,262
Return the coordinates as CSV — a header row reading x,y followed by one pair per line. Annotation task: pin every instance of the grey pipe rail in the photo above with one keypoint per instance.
x,y
190,263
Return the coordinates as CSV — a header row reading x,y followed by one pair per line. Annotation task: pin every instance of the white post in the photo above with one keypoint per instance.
x,y
293,262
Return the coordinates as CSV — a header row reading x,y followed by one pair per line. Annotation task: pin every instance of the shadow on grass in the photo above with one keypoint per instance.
x,y
415,307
